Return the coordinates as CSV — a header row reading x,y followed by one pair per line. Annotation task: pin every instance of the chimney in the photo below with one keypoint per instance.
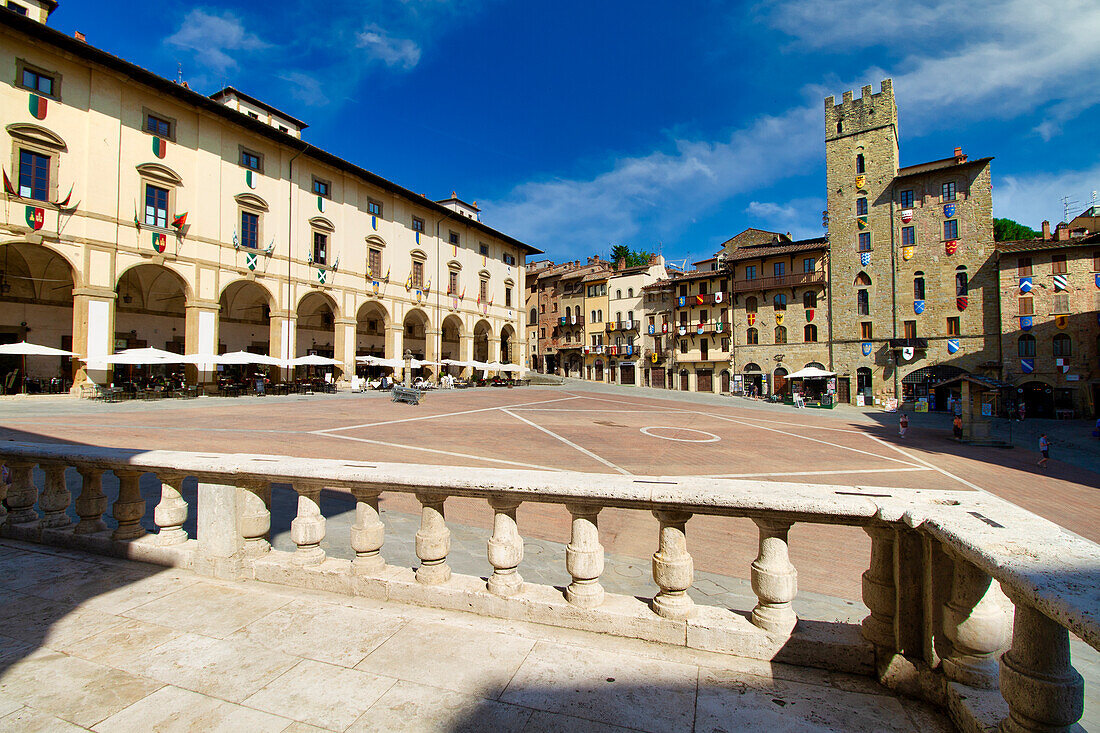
x,y
1046,231
1061,232
80,37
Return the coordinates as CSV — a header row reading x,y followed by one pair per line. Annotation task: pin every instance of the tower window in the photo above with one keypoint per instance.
x,y
918,286
906,199
961,283
839,128
948,191
861,207
910,329
861,166
863,302
864,241
951,229
908,236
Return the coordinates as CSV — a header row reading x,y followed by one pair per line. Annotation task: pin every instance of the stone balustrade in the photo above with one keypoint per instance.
x,y
971,598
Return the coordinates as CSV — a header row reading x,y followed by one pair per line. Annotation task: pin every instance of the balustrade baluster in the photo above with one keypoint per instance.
x,y
673,569
92,502
170,513
505,548
878,589
1043,690
55,498
774,579
584,557
129,507
367,534
3,496
433,541
976,621
22,494
308,528
255,515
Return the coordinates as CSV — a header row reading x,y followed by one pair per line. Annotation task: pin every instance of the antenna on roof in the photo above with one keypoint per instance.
x,y
1067,205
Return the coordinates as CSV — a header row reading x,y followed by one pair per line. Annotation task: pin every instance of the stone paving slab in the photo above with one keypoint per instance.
x,y
408,668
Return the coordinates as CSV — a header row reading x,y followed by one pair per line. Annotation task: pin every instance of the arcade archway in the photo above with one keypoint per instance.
x,y
244,318
150,309
316,331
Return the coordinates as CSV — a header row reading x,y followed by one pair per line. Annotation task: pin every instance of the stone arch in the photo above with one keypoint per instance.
x,y
415,326
508,353
316,324
244,317
451,334
151,306
371,322
483,334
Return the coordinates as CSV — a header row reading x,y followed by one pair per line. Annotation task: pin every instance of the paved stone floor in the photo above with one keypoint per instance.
x,y
99,644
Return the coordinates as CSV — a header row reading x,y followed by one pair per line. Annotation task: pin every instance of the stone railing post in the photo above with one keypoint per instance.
x,y
3,496
879,594
975,619
774,579
129,508
171,511
367,534
22,494
505,548
433,541
673,569
92,502
255,516
55,498
308,528
584,557
1043,690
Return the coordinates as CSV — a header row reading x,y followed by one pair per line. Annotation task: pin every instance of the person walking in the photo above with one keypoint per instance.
x,y
1021,411
903,425
957,427
1044,448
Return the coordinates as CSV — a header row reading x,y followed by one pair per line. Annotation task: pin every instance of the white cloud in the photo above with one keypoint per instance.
x,y
391,51
1031,199
213,39
797,216
305,88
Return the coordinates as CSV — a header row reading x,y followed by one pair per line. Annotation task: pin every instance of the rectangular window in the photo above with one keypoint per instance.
x,y
910,328
1096,261
951,229
702,287
320,245
683,347
1023,266
865,330
251,160
34,175
683,290
750,272
16,8
1058,265
725,344
948,191
158,126
374,208
953,326
250,230
452,237
508,259
156,206
374,261
908,236
864,241
809,264
861,207
418,224
1027,306
483,290
452,283
779,269
703,316
321,188
906,199
1061,303
507,297
37,81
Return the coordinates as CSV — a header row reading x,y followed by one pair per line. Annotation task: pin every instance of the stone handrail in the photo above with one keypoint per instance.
x,y
939,626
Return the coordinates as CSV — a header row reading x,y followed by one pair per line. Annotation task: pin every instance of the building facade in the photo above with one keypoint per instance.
x,y
141,213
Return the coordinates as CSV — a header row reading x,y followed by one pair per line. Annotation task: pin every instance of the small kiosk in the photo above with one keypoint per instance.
x,y
980,401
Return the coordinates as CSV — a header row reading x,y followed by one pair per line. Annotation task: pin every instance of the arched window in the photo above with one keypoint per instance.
x,y
592,317
1063,346
860,164
962,284
780,334
630,292
750,304
809,299
1025,346
780,302
577,313
839,128
810,333
862,279
918,286
599,316
752,336
534,316
863,302
618,316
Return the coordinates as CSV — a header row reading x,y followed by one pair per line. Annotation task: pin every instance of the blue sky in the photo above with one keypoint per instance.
x,y
671,126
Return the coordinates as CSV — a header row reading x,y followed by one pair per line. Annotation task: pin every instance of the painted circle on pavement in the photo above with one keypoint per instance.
x,y
711,437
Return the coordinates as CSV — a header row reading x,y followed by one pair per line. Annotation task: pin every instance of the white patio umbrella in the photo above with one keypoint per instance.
x,y
136,357
379,361
245,357
511,368
25,349
314,360
811,373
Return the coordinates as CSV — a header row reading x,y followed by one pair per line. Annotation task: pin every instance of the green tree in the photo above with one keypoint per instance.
x,y
1007,230
630,258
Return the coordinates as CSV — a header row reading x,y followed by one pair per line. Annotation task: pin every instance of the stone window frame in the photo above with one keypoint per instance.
x,y
954,221
417,224
1061,352
954,326
912,198
375,244
417,256
1030,349
314,180
321,225
242,149
752,336
378,205
42,141
147,112
22,65
250,203
454,277
1026,305
809,333
909,328
866,330
161,176
780,334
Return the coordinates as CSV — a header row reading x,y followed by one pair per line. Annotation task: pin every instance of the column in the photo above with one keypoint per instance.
x,y
55,498
466,353
282,335
431,350
433,541
395,347
584,557
878,589
129,507
975,619
201,335
774,578
308,528
170,512
344,347
22,494
673,569
505,548
254,505
1043,690
367,533
92,503
93,331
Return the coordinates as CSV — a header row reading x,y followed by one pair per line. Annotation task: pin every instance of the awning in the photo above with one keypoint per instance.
x,y
811,373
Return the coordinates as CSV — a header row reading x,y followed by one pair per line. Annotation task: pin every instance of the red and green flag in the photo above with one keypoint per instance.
x,y
8,188
37,106
179,221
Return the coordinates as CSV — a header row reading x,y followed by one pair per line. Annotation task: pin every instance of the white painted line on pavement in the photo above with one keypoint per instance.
x,y
444,452
819,473
570,443
920,460
433,417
